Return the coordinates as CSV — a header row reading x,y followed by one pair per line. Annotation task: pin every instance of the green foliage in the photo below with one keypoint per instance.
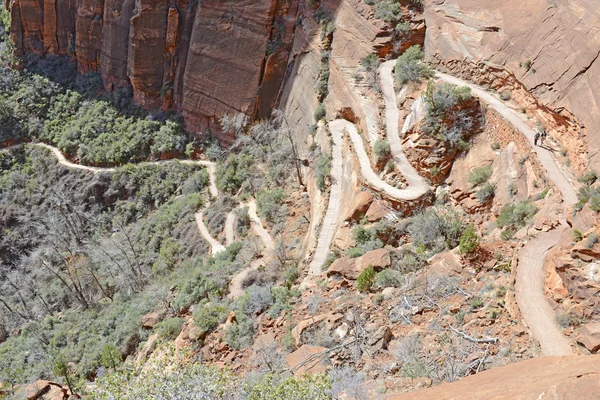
x,y
388,10
319,112
469,240
382,151
269,203
169,328
486,192
370,62
410,67
477,176
207,318
589,177
436,229
365,280
231,175
476,302
110,357
389,278
366,240
516,215
322,171
577,235
591,240
448,116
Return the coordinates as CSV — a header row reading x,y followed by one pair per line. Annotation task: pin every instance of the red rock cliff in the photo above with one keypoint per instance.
x,y
205,58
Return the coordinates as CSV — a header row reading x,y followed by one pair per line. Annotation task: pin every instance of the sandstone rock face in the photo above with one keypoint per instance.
x,y
572,377
589,336
550,47
205,59
352,267
296,359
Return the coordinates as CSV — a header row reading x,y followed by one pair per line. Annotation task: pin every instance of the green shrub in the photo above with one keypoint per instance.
x,y
389,278
434,171
591,240
517,214
505,95
589,178
486,192
169,328
507,234
469,240
477,176
323,171
436,230
388,11
354,252
476,302
410,68
382,151
207,318
269,203
577,235
319,112
365,280
231,175
111,357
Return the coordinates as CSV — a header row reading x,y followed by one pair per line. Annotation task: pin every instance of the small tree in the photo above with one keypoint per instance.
x,y
469,240
110,357
61,368
366,279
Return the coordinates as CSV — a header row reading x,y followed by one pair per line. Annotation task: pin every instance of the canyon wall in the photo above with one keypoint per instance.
x,y
550,48
204,59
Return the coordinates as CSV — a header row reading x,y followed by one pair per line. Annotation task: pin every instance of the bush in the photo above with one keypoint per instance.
x,y
382,151
169,328
577,235
486,192
207,318
231,175
111,357
410,68
323,171
269,202
319,112
516,215
589,178
388,278
505,95
591,240
480,175
365,280
388,11
435,230
469,240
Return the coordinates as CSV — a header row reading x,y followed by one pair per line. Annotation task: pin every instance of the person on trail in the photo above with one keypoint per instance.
x,y
544,134
536,138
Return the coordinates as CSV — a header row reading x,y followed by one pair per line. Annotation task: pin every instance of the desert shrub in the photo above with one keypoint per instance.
x,y
111,357
269,203
242,223
319,112
255,300
410,263
476,303
410,68
169,328
388,11
589,177
478,176
366,240
233,173
591,240
435,230
354,252
365,280
448,116
388,278
486,192
282,297
505,95
434,171
207,318
577,235
323,171
469,240
516,215
382,151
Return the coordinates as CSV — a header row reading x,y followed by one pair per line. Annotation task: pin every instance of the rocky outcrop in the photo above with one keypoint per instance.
x,y
569,377
529,48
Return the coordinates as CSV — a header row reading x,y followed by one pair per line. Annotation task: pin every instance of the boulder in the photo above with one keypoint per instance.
x,y
589,336
152,318
299,364
352,267
584,253
377,210
43,389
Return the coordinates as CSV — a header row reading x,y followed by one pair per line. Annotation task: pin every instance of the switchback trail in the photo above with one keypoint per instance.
x,y
416,184
529,285
216,247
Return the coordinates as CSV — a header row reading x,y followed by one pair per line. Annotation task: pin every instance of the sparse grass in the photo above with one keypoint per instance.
x,y
486,192
480,175
517,214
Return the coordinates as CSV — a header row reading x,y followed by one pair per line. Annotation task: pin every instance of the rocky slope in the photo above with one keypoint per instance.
x,y
544,51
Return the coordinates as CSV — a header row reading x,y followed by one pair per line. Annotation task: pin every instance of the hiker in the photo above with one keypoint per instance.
x,y
535,138
544,134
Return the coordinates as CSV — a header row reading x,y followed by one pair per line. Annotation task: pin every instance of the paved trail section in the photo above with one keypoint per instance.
x,y
416,184
534,306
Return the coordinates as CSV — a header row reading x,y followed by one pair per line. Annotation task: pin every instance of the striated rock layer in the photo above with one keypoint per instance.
x,y
205,59
548,47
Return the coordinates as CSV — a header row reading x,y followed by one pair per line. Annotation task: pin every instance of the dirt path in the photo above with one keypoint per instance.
x,y
529,285
229,228
216,246
333,207
416,183
258,228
